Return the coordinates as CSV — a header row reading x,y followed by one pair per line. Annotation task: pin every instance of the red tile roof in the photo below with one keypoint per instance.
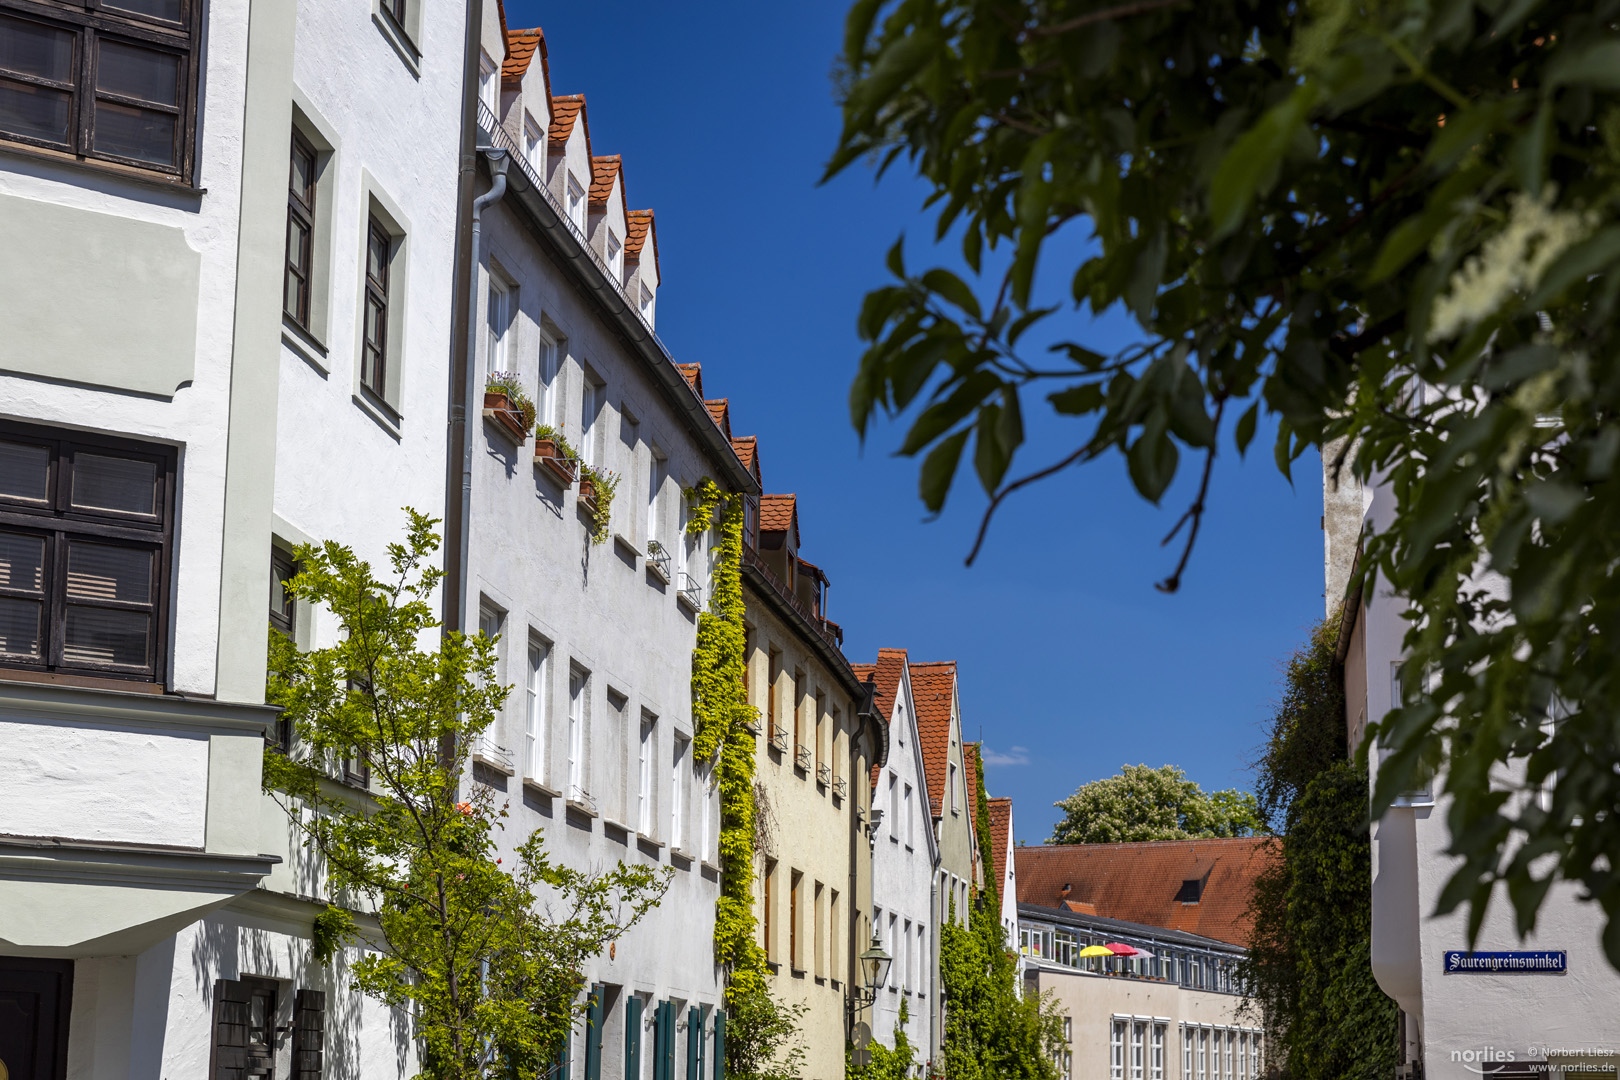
x,y
970,781
638,225
565,110
1139,882
868,673
886,687
779,513
1000,840
521,47
1079,908
720,413
693,373
604,170
746,447
933,687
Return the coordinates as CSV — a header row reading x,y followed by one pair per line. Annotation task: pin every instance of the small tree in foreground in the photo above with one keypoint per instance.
x,y
459,940
1140,803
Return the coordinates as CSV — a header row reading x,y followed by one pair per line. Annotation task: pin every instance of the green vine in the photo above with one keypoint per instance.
x,y
722,722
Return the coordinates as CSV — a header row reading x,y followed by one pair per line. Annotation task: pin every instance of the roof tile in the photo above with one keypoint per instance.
x,y
933,689
566,109
720,413
746,447
778,513
1139,882
1000,839
693,374
521,45
604,170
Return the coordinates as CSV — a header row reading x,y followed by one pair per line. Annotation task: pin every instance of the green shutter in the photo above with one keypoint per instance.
x,y
666,1052
694,1043
632,1037
719,1068
593,1034
561,1061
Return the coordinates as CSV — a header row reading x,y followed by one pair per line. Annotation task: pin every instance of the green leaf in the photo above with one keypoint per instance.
x,y
1024,322
1152,459
1554,500
1530,151
990,456
1078,400
942,416
897,257
939,468
1145,276
1463,131
1245,427
899,60
1596,65
1250,166
953,289
1593,255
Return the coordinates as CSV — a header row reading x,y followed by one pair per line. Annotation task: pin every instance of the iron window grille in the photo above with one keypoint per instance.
x,y
802,758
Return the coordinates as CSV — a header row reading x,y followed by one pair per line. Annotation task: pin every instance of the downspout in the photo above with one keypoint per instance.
x,y
936,1019
497,160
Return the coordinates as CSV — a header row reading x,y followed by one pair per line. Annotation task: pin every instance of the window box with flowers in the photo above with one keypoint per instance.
x,y
507,406
596,490
553,453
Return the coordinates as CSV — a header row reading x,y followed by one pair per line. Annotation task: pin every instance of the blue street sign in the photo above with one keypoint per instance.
x,y
1551,962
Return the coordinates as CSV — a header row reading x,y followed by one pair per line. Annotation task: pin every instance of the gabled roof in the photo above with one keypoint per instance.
x,y
1140,882
886,674
604,170
779,513
566,110
933,688
521,48
746,447
638,226
1000,840
720,413
693,374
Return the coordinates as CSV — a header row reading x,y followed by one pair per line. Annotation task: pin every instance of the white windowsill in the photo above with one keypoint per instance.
x,y
657,571
494,765
627,544
576,805
307,347
650,841
686,601
535,785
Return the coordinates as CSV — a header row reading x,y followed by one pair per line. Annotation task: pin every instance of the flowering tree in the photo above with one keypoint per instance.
x,y
1393,228
1139,803
451,934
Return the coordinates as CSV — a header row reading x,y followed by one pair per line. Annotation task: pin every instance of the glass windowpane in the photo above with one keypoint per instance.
x,y
25,471
110,483
103,572
34,112
22,562
19,626
141,134
135,72
167,10
106,636
31,48
303,173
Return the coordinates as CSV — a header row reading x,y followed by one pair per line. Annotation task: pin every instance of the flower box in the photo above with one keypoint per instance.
x,y
498,407
547,454
587,493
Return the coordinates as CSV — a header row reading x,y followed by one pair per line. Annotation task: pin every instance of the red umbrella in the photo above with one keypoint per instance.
x,y
1120,950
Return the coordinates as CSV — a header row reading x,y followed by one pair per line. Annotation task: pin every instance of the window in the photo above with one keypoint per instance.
x,y
1186,1053
677,795
1138,1038
911,821
835,937
644,776
499,317
283,620
1156,1061
896,948
1243,1055
536,732
772,673
922,962
1231,1046
85,528
818,933
397,10
576,202
615,256
578,682
955,781
797,690
546,399
374,345
905,956
36,997
488,87
646,305
295,293
245,1022
112,84
821,727
706,792
1116,1051
1203,1054
658,472
534,142
590,404
894,807
795,887
768,921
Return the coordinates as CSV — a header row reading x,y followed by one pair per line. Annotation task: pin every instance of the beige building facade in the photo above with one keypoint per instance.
x,y
819,740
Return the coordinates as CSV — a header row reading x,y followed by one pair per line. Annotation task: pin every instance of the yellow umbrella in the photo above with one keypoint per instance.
x,y
1096,950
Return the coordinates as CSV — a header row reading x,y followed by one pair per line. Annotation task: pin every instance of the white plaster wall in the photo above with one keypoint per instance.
x,y
195,418
1458,1015
902,877
103,782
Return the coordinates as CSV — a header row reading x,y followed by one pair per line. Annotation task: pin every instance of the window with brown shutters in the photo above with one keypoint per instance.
x,y
112,82
244,1029
85,526
309,1034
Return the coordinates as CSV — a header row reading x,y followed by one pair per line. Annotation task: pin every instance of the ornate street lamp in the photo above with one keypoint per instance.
x,y
875,967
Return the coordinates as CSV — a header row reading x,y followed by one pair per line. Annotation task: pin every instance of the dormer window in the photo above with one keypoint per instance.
x,y
615,256
488,90
1192,889
576,202
646,305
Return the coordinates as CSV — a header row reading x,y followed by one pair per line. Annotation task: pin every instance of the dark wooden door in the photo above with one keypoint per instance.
x,y
36,997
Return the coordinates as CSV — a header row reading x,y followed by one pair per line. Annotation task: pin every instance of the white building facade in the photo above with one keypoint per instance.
x,y
1454,1024
596,624
255,355
905,858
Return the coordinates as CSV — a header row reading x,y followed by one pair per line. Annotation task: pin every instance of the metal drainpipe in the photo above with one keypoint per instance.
x,y
498,160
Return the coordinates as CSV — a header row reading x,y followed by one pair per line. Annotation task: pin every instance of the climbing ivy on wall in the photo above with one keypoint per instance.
x,y
722,734
990,899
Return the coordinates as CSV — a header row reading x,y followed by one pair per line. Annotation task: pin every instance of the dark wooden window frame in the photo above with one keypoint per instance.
x,y
397,10
56,520
284,621
298,283
374,350
90,21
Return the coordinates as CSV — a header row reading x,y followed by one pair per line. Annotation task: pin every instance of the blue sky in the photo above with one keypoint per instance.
x,y
1071,663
